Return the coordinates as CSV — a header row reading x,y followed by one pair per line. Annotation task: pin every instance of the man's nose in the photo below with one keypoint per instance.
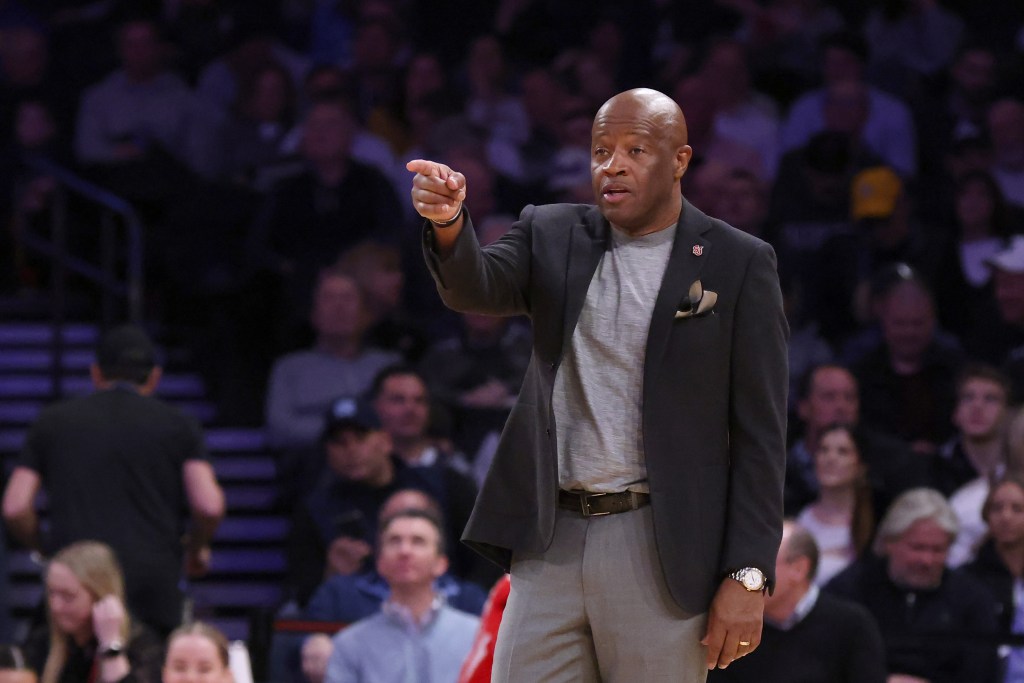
x,y
613,164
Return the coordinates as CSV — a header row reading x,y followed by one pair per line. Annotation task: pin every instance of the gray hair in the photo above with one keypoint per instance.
x,y
912,506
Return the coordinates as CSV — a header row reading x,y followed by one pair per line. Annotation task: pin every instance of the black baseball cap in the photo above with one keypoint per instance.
x,y
125,352
350,413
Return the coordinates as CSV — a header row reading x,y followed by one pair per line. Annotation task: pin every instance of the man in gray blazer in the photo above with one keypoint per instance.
x,y
636,495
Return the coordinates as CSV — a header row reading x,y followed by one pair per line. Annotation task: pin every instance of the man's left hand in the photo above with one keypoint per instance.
x,y
734,623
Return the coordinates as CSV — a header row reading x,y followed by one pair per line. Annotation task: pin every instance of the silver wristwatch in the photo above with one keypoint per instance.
x,y
751,578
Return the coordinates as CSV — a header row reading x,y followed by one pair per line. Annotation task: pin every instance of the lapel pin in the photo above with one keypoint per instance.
x,y
698,250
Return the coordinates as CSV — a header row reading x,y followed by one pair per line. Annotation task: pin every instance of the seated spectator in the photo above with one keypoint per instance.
x,y
303,384
842,518
144,113
333,527
333,203
1000,563
888,127
828,395
808,636
811,198
910,42
90,635
983,450
999,342
13,667
885,232
197,651
1006,129
981,226
377,269
742,115
907,382
744,202
977,449
477,374
349,597
917,602
261,117
415,634
402,402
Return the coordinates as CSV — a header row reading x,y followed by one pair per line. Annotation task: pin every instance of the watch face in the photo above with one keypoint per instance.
x,y
753,580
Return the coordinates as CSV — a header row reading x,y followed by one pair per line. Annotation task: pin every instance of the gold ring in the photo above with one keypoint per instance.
x,y
745,643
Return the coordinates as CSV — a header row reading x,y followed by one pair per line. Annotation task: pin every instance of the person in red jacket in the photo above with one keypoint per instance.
x,y
477,667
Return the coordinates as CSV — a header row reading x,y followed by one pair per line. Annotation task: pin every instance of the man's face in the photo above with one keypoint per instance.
x,y
327,133
338,307
637,158
980,408
409,553
908,324
360,456
1009,293
832,398
742,204
917,557
140,50
790,572
403,407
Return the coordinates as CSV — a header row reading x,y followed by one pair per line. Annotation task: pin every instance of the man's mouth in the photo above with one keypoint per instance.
x,y
614,193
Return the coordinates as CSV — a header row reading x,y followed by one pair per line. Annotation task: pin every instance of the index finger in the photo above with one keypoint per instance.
x,y
714,641
453,180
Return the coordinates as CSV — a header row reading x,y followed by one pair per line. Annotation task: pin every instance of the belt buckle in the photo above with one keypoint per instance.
x,y
585,504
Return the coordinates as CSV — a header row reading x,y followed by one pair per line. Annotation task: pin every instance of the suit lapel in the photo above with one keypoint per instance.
x,y
587,243
690,252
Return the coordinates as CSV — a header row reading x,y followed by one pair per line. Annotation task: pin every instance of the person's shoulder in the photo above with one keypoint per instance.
x,y
560,216
457,618
843,612
364,631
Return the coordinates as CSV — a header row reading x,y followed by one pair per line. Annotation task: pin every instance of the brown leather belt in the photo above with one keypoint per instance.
x,y
593,504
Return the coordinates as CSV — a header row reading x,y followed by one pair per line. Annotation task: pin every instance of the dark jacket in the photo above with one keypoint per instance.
x,y
927,633
714,389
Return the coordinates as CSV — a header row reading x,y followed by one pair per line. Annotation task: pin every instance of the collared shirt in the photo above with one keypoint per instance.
x,y
404,616
800,612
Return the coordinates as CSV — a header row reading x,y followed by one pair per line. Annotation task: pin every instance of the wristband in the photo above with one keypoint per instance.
x,y
450,221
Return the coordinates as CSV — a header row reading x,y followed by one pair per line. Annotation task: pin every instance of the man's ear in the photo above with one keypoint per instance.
x,y
683,156
152,380
440,566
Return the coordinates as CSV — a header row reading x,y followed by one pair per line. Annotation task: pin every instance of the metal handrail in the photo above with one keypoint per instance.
x,y
132,289
55,249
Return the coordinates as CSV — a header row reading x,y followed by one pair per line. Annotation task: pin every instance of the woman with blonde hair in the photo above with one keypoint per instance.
x,y
197,652
90,635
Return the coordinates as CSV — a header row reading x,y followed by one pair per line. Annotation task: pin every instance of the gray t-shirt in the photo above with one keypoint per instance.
x,y
598,390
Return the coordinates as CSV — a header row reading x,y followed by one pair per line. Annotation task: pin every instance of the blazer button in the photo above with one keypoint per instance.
x,y
548,431
551,366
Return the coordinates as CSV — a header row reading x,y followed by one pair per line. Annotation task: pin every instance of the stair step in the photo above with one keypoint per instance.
x,y
257,529
222,593
235,439
41,386
250,497
39,359
248,561
245,468
27,334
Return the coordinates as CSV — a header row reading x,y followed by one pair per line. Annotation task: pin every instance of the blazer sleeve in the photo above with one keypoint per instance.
x,y
757,419
493,280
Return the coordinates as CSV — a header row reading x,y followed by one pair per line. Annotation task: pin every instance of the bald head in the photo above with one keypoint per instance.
x,y
656,105
638,156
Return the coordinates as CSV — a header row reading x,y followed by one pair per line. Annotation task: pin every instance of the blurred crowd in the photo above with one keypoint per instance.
x,y
878,146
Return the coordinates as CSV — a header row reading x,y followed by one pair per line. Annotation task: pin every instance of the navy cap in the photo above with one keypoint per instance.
x,y
350,413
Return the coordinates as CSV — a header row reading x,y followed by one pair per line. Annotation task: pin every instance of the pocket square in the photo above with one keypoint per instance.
x,y
698,302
